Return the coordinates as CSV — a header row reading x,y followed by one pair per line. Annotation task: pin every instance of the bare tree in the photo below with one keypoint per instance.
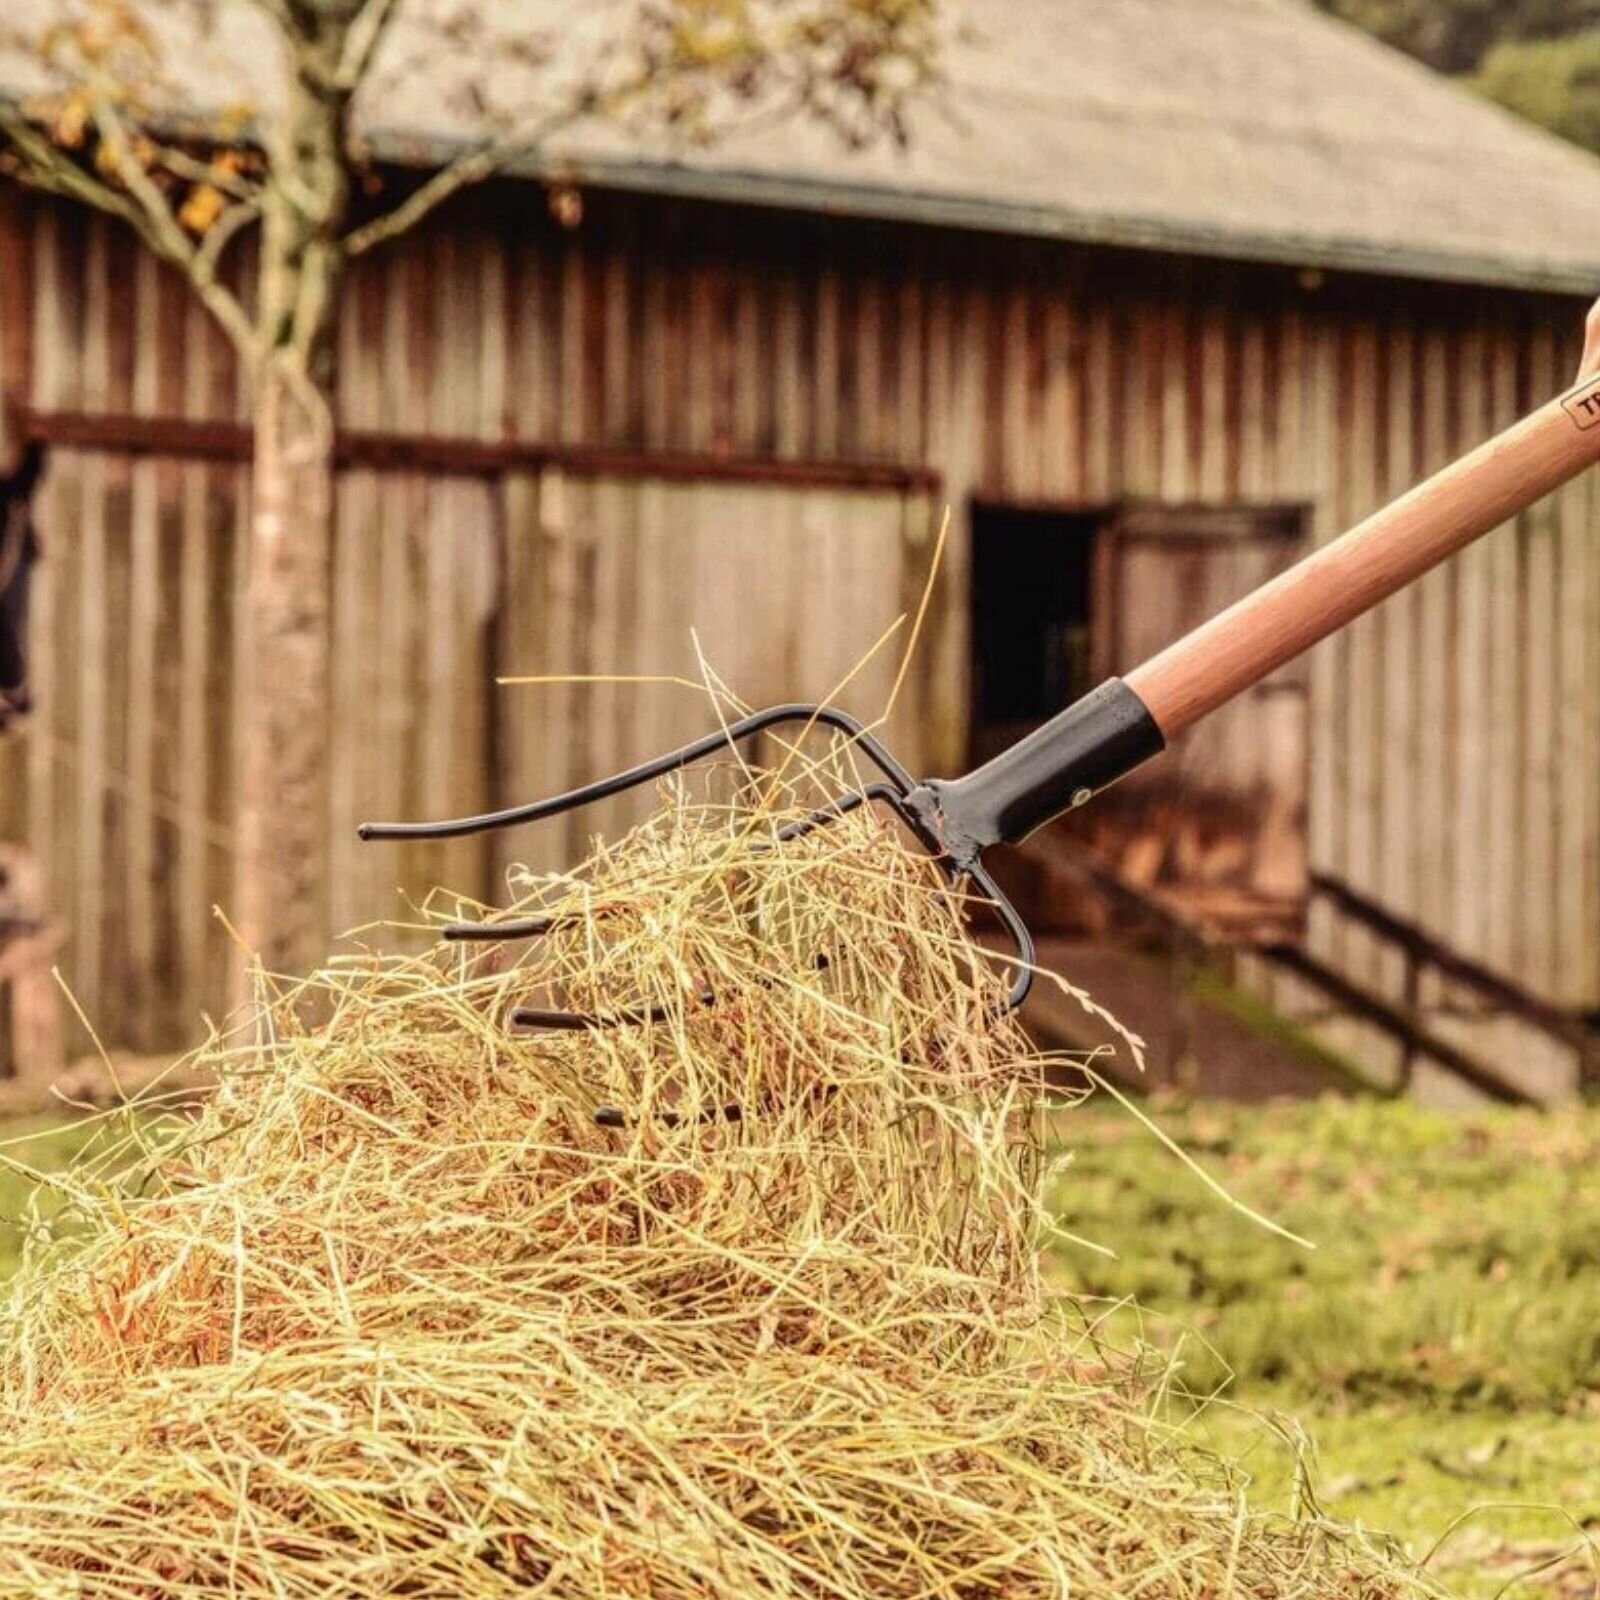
x,y
118,114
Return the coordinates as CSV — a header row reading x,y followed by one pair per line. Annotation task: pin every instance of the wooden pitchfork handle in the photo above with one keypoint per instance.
x,y
1334,585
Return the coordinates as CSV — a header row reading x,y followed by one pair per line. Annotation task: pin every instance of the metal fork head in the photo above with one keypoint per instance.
x,y
915,804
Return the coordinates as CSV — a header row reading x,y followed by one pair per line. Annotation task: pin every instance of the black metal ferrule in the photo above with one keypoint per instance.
x,y
1078,752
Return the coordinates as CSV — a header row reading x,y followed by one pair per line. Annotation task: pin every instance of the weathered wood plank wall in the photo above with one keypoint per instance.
x,y
122,784
1455,735
785,591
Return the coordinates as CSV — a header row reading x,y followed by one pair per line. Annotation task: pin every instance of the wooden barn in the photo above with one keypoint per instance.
x,y
1164,293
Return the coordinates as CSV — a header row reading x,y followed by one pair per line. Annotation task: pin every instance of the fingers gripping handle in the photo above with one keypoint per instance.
x,y
1336,584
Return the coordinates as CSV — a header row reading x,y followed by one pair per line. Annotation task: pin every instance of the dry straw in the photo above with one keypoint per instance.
x,y
394,1316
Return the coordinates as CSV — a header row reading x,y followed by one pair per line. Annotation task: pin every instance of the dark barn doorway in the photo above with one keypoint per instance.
x,y
1063,598
1032,599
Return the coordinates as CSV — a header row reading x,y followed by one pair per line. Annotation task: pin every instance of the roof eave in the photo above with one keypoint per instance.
x,y
734,186
795,193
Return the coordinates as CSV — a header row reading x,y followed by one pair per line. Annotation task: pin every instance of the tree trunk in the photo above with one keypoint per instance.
x,y
282,883
283,810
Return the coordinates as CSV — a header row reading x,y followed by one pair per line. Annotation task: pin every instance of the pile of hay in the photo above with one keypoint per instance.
x,y
394,1316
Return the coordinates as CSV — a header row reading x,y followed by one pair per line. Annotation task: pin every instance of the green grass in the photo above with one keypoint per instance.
x,y
1502,1494
1440,1345
44,1144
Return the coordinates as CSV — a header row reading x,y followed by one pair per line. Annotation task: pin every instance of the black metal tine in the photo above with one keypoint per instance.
x,y
1026,954
975,872
587,1021
672,761
580,1021
834,809
614,1117
535,927
584,1021
730,1111
894,793
530,927
1026,951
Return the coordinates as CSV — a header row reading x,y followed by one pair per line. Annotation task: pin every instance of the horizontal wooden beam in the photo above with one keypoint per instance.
x,y
1345,995
359,449
1358,1002
177,437
1500,991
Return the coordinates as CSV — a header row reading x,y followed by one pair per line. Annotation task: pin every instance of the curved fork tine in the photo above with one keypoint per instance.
x,y
834,809
1026,951
976,873
536,927
615,1117
585,794
583,1022
530,927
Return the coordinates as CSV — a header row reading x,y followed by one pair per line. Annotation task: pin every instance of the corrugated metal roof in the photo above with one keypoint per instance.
x,y
1245,129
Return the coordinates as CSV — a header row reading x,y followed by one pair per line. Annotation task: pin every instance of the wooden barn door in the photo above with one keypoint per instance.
x,y
1220,821
778,591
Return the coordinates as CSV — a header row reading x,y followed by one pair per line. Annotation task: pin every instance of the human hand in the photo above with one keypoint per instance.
x,y
1590,364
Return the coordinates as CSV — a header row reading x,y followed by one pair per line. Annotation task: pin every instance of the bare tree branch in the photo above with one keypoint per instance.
x,y
165,234
208,254
361,44
470,167
194,170
47,166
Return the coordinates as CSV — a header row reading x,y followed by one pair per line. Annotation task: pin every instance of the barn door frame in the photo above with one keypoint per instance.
x,y
1237,833
1174,523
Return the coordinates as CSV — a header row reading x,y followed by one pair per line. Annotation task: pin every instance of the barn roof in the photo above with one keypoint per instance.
x,y
1242,129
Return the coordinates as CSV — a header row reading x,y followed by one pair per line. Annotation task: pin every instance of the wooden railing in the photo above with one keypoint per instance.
x,y
1423,954
1403,1020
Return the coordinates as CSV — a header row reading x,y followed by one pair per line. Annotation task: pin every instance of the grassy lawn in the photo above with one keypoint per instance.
x,y
1440,1346
43,1144
1435,1357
